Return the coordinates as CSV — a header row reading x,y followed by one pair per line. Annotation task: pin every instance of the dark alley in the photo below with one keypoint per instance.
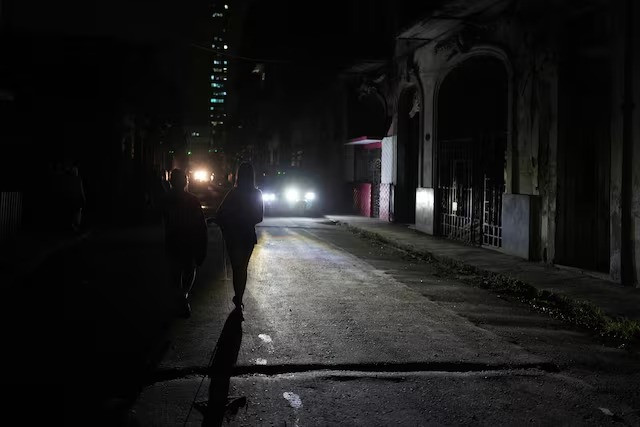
x,y
354,212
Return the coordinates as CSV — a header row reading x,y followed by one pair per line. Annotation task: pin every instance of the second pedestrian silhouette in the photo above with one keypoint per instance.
x,y
237,216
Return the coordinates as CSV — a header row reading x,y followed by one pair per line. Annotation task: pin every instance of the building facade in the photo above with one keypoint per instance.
x,y
515,126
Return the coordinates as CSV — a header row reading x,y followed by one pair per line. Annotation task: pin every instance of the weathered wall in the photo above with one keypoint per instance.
x,y
429,66
534,153
529,39
520,216
429,86
526,39
407,139
636,146
617,125
618,158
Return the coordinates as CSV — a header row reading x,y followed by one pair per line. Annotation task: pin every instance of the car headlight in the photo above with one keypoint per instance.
x,y
268,197
292,195
201,175
309,196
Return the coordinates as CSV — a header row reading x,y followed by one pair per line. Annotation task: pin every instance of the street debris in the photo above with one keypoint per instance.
x,y
294,399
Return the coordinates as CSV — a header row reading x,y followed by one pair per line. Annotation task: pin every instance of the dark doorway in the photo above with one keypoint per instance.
x,y
582,239
472,121
408,153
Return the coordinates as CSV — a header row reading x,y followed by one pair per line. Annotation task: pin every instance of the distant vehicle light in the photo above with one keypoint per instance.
x,y
309,196
201,175
292,195
268,197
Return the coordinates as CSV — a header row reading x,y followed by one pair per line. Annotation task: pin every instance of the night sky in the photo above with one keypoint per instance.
x,y
135,20
279,29
329,34
89,60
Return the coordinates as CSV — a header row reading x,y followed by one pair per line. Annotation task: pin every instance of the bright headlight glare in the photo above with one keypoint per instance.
x,y
268,197
201,175
292,195
310,195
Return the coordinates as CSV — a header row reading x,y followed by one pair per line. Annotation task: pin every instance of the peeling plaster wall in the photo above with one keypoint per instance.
x,y
535,151
532,143
635,210
531,158
429,87
403,79
617,141
529,36
431,67
533,32
615,198
617,134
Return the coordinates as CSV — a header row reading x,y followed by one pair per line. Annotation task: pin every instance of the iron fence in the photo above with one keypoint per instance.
x,y
376,165
492,213
470,187
385,201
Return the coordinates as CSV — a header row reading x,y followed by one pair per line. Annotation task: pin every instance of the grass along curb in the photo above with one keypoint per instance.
x,y
620,332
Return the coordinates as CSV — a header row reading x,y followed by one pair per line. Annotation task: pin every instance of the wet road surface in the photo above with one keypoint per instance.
x,y
339,330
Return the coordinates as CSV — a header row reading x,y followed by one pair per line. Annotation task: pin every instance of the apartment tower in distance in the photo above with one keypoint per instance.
x,y
219,71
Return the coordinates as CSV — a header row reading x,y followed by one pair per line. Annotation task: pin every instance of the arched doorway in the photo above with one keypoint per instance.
x,y
407,156
472,124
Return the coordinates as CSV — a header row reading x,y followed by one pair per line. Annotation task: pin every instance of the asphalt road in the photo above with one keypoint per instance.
x,y
341,331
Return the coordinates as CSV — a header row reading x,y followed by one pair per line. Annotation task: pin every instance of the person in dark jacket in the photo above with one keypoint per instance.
x,y
185,237
237,216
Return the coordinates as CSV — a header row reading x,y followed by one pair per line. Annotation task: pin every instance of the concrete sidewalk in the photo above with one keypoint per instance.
x,y
615,300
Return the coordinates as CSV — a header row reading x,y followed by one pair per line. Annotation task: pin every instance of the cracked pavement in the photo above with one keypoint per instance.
x,y
339,330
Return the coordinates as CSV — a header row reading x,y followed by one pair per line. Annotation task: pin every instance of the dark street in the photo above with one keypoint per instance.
x,y
345,333
353,212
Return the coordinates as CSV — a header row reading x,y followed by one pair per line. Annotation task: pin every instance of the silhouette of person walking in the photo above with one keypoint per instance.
x,y
185,238
241,209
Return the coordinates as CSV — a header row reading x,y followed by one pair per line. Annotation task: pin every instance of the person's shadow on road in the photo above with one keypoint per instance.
x,y
221,369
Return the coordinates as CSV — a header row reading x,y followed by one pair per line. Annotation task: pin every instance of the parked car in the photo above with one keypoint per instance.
x,y
289,193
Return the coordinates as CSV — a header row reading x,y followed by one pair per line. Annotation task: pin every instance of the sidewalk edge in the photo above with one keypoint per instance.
x,y
621,331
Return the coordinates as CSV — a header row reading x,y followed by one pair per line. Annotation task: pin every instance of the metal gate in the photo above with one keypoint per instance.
x,y
470,188
375,187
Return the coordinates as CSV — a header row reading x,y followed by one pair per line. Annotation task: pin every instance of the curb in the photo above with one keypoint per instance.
x,y
617,331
